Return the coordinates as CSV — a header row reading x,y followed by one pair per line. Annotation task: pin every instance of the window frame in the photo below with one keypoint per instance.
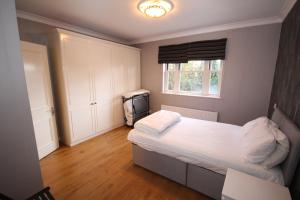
x,y
206,81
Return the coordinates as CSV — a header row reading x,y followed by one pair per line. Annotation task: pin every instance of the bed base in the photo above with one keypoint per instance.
x,y
166,166
205,181
197,178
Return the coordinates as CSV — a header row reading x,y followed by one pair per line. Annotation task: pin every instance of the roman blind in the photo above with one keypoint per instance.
x,y
201,50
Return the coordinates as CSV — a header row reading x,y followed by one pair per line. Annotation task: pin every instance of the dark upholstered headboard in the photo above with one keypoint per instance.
x,y
289,166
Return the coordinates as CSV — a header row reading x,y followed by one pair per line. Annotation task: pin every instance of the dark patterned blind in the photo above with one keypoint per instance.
x,y
201,50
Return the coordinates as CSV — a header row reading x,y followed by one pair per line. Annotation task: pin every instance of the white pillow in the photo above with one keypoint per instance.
x,y
258,142
249,125
281,151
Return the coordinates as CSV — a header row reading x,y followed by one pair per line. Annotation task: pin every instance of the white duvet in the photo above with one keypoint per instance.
x,y
214,146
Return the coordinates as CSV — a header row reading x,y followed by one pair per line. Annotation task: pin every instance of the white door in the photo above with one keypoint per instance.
x,y
78,75
40,96
103,90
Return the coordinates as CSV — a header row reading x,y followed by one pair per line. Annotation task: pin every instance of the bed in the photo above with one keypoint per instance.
x,y
197,153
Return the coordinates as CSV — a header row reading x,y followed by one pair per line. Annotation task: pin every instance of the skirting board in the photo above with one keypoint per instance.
x,y
193,113
92,136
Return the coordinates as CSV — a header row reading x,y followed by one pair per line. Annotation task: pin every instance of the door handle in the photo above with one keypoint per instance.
x,y
52,110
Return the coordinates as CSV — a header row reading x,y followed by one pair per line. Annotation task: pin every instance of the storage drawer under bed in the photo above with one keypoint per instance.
x,y
197,178
164,165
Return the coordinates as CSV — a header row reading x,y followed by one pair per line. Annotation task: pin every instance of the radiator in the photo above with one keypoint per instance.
x,y
193,113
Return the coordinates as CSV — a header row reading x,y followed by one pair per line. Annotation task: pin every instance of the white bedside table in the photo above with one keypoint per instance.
x,y
241,186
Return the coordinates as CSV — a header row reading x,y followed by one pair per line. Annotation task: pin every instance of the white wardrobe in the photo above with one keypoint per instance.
x,y
91,76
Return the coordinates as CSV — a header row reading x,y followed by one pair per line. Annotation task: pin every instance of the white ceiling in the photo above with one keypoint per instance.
x,y
121,19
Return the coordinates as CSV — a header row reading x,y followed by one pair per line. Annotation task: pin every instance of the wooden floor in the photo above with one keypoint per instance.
x,y
102,168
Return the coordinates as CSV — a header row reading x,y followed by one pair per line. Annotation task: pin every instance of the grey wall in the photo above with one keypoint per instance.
x,y
34,32
286,87
20,174
248,73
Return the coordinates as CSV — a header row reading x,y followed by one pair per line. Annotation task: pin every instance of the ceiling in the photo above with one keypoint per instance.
x,y
121,19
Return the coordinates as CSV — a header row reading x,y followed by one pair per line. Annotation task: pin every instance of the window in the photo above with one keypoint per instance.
x,y
195,78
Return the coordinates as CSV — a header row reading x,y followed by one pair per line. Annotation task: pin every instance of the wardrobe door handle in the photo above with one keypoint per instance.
x,y
92,104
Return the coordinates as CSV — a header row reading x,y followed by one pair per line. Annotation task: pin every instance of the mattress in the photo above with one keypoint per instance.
x,y
212,145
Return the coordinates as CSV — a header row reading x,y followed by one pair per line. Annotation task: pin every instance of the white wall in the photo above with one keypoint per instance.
x,y
20,175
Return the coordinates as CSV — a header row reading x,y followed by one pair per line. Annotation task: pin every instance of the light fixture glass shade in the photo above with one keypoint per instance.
x,y
155,8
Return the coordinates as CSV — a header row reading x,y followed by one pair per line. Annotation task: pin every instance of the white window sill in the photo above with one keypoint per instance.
x,y
192,95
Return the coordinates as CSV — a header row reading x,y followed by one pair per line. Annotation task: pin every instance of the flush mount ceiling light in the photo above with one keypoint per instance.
x,y
155,8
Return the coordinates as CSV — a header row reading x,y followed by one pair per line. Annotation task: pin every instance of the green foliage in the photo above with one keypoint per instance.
x,y
191,81
214,78
191,76
171,80
214,82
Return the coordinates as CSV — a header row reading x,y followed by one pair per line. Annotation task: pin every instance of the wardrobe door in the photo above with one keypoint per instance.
x,y
78,78
119,68
133,69
103,90
120,84
104,117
